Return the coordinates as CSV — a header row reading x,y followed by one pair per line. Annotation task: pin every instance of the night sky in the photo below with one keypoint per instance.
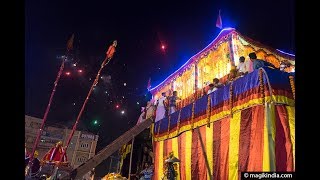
x,y
140,27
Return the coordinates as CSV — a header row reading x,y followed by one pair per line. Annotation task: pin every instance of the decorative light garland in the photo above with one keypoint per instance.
x,y
178,124
208,110
168,130
293,89
192,116
261,85
231,97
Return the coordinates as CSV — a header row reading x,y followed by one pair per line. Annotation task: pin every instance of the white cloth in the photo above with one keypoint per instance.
x,y
172,109
161,101
161,111
242,67
212,90
282,67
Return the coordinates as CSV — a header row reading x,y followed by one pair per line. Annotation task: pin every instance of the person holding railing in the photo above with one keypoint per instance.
x,y
173,102
258,63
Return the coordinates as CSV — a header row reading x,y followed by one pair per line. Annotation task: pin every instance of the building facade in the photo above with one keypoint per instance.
x,y
81,148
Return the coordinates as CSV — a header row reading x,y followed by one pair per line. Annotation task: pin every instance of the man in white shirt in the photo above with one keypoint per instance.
x,y
161,109
242,66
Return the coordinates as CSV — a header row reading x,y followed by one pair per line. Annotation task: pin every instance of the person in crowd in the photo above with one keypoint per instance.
x,y
161,107
242,66
173,102
142,116
170,167
216,83
258,63
284,65
34,168
211,88
233,75
206,88
147,173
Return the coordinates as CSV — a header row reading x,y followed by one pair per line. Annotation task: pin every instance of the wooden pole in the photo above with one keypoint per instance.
x,y
95,82
204,154
129,175
30,164
111,158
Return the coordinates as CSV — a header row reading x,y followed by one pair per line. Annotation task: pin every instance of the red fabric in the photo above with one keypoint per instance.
x,y
110,52
201,157
156,159
219,21
54,154
167,148
244,139
224,149
194,155
284,151
182,147
216,149
256,139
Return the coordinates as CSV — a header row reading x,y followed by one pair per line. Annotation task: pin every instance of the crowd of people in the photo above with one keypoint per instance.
x,y
163,106
167,103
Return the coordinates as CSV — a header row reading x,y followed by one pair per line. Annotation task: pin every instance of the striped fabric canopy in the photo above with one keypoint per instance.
x,y
245,126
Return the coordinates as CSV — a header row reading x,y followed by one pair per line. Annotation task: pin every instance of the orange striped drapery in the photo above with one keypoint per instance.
x,y
259,138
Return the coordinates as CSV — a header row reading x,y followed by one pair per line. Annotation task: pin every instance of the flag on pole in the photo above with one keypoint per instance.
x,y
70,43
111,50
149,84
219,21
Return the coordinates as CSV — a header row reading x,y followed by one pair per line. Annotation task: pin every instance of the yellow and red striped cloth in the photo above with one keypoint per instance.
x,y
258,138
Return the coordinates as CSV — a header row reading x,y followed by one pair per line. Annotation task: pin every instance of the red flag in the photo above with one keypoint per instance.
x,y
70,43
149,84
111,50
219,21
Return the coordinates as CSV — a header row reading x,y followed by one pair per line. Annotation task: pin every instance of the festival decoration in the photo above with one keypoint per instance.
x,y
69,48
292,86
107,59
236,111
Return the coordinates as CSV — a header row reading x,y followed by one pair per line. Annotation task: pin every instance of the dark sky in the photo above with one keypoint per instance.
x,y
185,27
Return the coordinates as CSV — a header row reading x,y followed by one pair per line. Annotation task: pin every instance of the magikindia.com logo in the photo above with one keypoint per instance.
x,y
263,175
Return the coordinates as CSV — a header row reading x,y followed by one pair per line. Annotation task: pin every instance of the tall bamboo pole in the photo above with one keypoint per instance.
x,y
129,175
95,82
69,48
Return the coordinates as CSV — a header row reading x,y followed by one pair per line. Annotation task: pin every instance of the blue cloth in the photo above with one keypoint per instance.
x,y
258,63
147,174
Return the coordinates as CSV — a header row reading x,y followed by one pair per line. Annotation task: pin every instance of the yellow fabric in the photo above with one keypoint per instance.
x,y
291,115
250,103
188,154
283,100
269,160
266,155
175,149
209,147
234,146
161,160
